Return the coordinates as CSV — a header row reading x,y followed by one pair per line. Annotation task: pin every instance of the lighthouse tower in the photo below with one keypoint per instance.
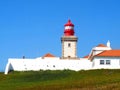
x,y
69,42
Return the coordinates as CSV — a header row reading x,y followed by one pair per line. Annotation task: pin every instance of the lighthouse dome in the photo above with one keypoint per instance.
x,y
69,29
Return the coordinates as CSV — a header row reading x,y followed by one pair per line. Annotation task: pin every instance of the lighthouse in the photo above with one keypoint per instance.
x,y
69,42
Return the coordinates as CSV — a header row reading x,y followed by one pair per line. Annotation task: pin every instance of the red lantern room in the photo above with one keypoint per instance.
x,y
69,29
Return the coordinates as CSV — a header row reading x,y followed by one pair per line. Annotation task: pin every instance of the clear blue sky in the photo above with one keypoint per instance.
x,y
34,27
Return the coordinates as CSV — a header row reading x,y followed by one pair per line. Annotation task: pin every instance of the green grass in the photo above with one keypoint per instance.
x,y
61,80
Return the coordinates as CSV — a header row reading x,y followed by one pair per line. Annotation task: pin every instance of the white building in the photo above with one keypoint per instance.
x,y
100,57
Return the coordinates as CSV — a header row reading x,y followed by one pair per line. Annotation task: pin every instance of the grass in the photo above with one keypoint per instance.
x,y
61,80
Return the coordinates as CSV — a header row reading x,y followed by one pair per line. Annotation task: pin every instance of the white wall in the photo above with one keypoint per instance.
x,y
114,63
47,64
70,51
60,64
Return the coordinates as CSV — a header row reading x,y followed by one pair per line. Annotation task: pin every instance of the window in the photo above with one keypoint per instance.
x,y
107,62
69,45
68,56
102,62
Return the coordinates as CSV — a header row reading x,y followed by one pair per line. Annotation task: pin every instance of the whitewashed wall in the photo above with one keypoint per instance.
x,y
47,64
60,64
69,51
114,63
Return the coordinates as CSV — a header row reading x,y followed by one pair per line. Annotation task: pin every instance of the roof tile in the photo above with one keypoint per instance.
x,y
110,53
48,55
101,45
86,56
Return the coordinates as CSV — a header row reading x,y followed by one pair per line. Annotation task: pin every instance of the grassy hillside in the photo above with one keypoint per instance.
x,y
61,80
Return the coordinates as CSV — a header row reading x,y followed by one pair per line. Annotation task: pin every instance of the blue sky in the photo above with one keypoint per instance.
x,y
33,28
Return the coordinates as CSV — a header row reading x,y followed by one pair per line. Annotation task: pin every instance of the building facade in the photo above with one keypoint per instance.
x,y
100,57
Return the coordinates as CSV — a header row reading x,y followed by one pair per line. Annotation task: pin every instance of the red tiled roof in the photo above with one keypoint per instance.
x,y
48,55
69,23
86,56
109,53
101,45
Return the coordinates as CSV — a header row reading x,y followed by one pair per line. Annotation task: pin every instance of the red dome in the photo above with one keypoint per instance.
x,y
69,32
69,23
69,29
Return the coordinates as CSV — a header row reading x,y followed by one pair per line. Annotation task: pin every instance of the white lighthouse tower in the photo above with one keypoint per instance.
x,y
69,42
